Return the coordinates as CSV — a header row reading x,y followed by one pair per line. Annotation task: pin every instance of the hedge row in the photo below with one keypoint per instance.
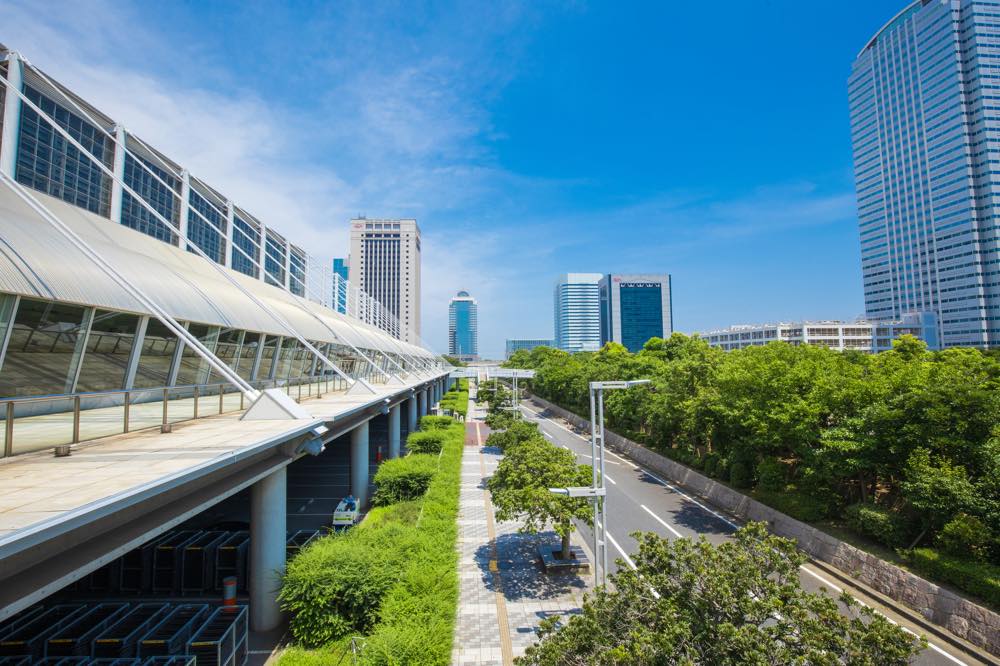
x,y
403,479
391,583
981,579
457,399
429,441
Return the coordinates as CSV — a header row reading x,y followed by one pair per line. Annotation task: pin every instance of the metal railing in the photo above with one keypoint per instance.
x,y
37,423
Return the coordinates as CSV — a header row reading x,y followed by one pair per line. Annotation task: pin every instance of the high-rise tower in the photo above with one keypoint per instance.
x,y
463,327
924,121
578,312
385,263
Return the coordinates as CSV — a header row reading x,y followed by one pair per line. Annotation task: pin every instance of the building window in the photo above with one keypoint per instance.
x,y
41,349
203,234
109,346
50,164
163,199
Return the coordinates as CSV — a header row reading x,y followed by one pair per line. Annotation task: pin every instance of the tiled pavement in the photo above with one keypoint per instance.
x,y
504,592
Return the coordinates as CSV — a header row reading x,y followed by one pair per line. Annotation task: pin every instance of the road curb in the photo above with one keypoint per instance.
x,y
940,633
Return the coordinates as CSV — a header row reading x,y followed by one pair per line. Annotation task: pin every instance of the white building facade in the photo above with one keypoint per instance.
x,y
864,336
924,118
577,312
385,264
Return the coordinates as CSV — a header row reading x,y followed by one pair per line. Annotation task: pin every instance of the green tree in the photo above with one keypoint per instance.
x,y
937,490
694,603
520,488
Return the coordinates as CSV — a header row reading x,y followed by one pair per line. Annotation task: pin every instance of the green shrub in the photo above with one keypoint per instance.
x,y
799,504
965,536
432,422
501,420
771,474
979,579
711,465
426,442
404,479
519,431
394,578
881,524
335,586
740,474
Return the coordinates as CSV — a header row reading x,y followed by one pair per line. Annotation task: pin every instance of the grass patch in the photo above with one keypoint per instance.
x,y
403,613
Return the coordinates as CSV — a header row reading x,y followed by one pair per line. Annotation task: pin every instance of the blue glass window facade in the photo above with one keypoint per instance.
x,y
463,326
164,200
274,261
922,115
211,242
50,164
641,314
297,271
246,239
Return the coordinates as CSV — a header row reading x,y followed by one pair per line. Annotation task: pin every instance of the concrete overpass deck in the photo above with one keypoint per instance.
x,y
62,517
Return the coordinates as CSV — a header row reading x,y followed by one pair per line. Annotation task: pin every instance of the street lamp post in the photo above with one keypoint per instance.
x,y
600,491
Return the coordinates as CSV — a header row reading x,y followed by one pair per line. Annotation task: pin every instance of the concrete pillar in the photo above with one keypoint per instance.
x,y
422,402
267,549
182,222
119,169
359,463
394,431
411,413
11,114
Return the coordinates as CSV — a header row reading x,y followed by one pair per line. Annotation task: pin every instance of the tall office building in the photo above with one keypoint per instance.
x,y
922,97
341,277
578,312
635,308
463,327
385,264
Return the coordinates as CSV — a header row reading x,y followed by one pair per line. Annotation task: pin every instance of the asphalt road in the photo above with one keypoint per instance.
x,y
639,501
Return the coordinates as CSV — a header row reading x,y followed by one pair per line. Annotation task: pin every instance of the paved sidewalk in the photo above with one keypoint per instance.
x,y
504,593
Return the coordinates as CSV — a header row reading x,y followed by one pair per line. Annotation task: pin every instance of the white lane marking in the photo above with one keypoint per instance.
x,y
728,522
584,455
628,560
613,482
691,499
821,579
547,434
662,522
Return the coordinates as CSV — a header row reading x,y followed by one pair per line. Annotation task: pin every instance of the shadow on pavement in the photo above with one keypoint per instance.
x,y
521,574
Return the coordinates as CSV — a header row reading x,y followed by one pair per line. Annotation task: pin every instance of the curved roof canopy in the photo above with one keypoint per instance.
x,y
38,261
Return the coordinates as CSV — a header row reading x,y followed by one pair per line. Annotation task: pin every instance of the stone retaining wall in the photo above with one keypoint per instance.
x,y
980,626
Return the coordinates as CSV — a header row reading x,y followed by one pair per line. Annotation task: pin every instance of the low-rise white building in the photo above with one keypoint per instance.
x,y
860,335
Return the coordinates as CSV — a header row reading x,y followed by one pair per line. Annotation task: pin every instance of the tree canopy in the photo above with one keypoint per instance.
x,y
689,602
913,434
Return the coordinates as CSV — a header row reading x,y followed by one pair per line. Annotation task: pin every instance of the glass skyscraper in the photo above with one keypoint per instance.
x,y
578,312
463,327
341,269
635,308
924,99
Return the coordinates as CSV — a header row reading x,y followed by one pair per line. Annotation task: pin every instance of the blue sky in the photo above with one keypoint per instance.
x,y
707,140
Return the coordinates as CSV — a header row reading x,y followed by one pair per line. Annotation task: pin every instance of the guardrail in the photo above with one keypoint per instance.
x,y
36,423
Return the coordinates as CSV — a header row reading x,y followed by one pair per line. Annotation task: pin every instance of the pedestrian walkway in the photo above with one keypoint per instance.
x,y
504,593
